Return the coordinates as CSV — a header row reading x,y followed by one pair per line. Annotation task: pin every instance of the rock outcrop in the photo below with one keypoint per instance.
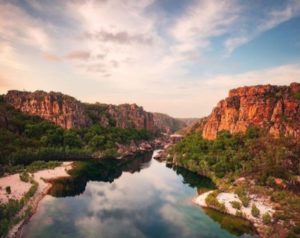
x,y
61,109
68,112
274,108
130,116
167,124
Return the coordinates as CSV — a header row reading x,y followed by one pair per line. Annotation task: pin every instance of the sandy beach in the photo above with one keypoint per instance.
x,y
19,189
226,198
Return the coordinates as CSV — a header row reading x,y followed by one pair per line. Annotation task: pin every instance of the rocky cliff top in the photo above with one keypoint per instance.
x,y
274,108
59,108
68,112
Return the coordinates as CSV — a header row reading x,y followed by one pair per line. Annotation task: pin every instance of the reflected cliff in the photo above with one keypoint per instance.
x,y
104,170
137,197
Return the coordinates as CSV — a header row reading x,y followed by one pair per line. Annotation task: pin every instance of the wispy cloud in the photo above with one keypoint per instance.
x,y
18,27
132,54
51,57
121,37
78,55
269,20
203,21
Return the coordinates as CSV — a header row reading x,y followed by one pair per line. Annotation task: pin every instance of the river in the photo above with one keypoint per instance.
x,y
138,197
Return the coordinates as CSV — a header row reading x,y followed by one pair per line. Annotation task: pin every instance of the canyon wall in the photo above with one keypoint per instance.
x,y
67,112
274,108
61,109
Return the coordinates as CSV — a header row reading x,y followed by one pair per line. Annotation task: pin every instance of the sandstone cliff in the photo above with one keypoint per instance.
x,y
274,108
61,109
122,116
167,124
68,112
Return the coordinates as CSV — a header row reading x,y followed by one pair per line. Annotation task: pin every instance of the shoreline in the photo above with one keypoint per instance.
x,y
43,178
227,198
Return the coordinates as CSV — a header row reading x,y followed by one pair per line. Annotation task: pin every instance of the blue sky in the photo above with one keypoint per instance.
x,y
173,56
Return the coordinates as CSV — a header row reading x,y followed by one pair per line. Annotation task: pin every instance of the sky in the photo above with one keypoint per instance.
x,y
178,57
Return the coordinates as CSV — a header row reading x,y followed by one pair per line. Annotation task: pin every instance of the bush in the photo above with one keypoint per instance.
x,y
212,201
7,213
266,218
245,201
236,205
255,211
8,190
31,191
25,177
239,213
241,192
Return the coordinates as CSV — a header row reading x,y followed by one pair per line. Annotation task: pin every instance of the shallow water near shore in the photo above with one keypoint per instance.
x,y
139,197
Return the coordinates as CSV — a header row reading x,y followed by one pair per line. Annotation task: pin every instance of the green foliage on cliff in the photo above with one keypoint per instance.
x,y
252,154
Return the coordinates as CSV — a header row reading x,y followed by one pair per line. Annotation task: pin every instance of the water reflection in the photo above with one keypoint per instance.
x,y
106,170
132,198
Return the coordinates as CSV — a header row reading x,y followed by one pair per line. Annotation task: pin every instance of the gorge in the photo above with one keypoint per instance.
x,y
246,149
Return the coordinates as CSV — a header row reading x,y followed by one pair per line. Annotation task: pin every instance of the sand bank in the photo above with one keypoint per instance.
x,y
20,188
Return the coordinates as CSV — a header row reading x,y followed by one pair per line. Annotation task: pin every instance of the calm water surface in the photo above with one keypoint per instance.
x,y
140,197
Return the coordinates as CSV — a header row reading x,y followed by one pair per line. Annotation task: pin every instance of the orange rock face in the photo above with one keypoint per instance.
x,y
61,109
68,112
275,108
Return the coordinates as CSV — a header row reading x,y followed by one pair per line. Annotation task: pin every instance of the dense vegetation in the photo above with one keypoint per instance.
x,y
25,139
11,212
253,154
270,166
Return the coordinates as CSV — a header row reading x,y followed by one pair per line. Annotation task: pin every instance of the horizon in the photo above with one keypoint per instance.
x,y
181,59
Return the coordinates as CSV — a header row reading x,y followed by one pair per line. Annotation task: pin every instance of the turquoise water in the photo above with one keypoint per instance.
x,y
135,198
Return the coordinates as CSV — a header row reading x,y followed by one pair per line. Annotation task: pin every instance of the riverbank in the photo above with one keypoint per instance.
x,y
232,204
19,188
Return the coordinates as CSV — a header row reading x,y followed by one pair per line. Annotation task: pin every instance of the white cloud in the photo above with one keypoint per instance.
x,y
202,21
116,50
17,27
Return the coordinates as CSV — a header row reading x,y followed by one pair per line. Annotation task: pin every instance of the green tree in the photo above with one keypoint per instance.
x,y
97,142
72,140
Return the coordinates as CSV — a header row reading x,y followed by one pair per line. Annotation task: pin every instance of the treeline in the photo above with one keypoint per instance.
x,y
24,139
254,154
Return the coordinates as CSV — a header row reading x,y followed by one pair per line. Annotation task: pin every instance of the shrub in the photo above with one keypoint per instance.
x,y
8,190
7,212
236,205
296,95
266,218
245,201
279,215
25,177
239,213
255,211
31,191
212,201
